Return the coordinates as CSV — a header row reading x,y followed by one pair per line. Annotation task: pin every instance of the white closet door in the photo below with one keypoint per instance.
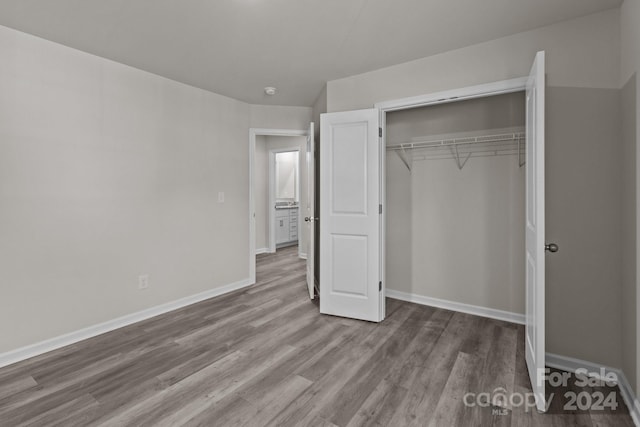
x,y
349,211
535,236
311,210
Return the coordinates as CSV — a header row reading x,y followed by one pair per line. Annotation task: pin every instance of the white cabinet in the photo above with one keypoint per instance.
x,y
286,225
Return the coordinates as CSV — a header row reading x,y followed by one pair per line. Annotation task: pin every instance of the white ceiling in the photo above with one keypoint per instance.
x,y
237,47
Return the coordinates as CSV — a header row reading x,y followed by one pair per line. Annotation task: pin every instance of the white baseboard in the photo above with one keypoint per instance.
x,y
476,310
571,364
39,348
262,251
302,255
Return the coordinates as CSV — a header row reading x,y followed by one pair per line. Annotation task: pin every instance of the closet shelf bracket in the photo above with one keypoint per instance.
x,y
404,157
456,154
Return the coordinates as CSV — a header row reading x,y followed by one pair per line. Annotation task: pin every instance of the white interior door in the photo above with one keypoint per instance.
x,y
310,218
349,210
535,227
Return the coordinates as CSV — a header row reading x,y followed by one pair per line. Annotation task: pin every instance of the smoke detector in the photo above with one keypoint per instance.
x,y
270,90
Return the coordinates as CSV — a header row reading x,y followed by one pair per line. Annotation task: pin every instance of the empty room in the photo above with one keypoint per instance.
x,y
329,213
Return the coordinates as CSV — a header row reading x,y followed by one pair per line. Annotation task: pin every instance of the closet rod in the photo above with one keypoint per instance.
x,y
464,148
443,156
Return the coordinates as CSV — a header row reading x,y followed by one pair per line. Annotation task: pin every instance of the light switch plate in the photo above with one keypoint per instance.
x,y
143,281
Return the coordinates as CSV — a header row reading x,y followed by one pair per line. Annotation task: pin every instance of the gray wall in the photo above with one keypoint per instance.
x,y
629,312
319,107
279,117
495,112
583,52
468,232
107,173
584,204
399,230
630,60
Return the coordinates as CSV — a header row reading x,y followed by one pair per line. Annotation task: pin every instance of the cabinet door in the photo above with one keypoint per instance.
x,y
282,229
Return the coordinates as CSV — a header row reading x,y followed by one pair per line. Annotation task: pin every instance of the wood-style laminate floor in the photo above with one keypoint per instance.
x,y
265,356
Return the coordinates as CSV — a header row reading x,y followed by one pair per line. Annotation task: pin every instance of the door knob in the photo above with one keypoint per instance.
x,y
551,247
310,219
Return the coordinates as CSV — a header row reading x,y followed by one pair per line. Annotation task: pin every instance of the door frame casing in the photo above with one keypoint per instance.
x,y
253,133
310,211
435,98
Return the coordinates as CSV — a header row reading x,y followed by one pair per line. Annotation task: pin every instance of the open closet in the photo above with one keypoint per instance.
x,y
455,192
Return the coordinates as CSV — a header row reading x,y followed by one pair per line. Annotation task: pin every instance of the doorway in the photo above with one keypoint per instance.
x,y
281,176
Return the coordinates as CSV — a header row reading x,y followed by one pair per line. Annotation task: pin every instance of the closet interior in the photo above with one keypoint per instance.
x,y
455,194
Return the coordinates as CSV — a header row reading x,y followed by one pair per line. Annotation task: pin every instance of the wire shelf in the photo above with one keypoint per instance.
x,y
462,148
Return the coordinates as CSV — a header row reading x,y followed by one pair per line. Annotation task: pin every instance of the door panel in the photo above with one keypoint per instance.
x,y
349,153
535,231
311,211
349,261
350,234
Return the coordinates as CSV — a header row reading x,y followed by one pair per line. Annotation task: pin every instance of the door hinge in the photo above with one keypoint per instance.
x,y
380,132
380,286
380,209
